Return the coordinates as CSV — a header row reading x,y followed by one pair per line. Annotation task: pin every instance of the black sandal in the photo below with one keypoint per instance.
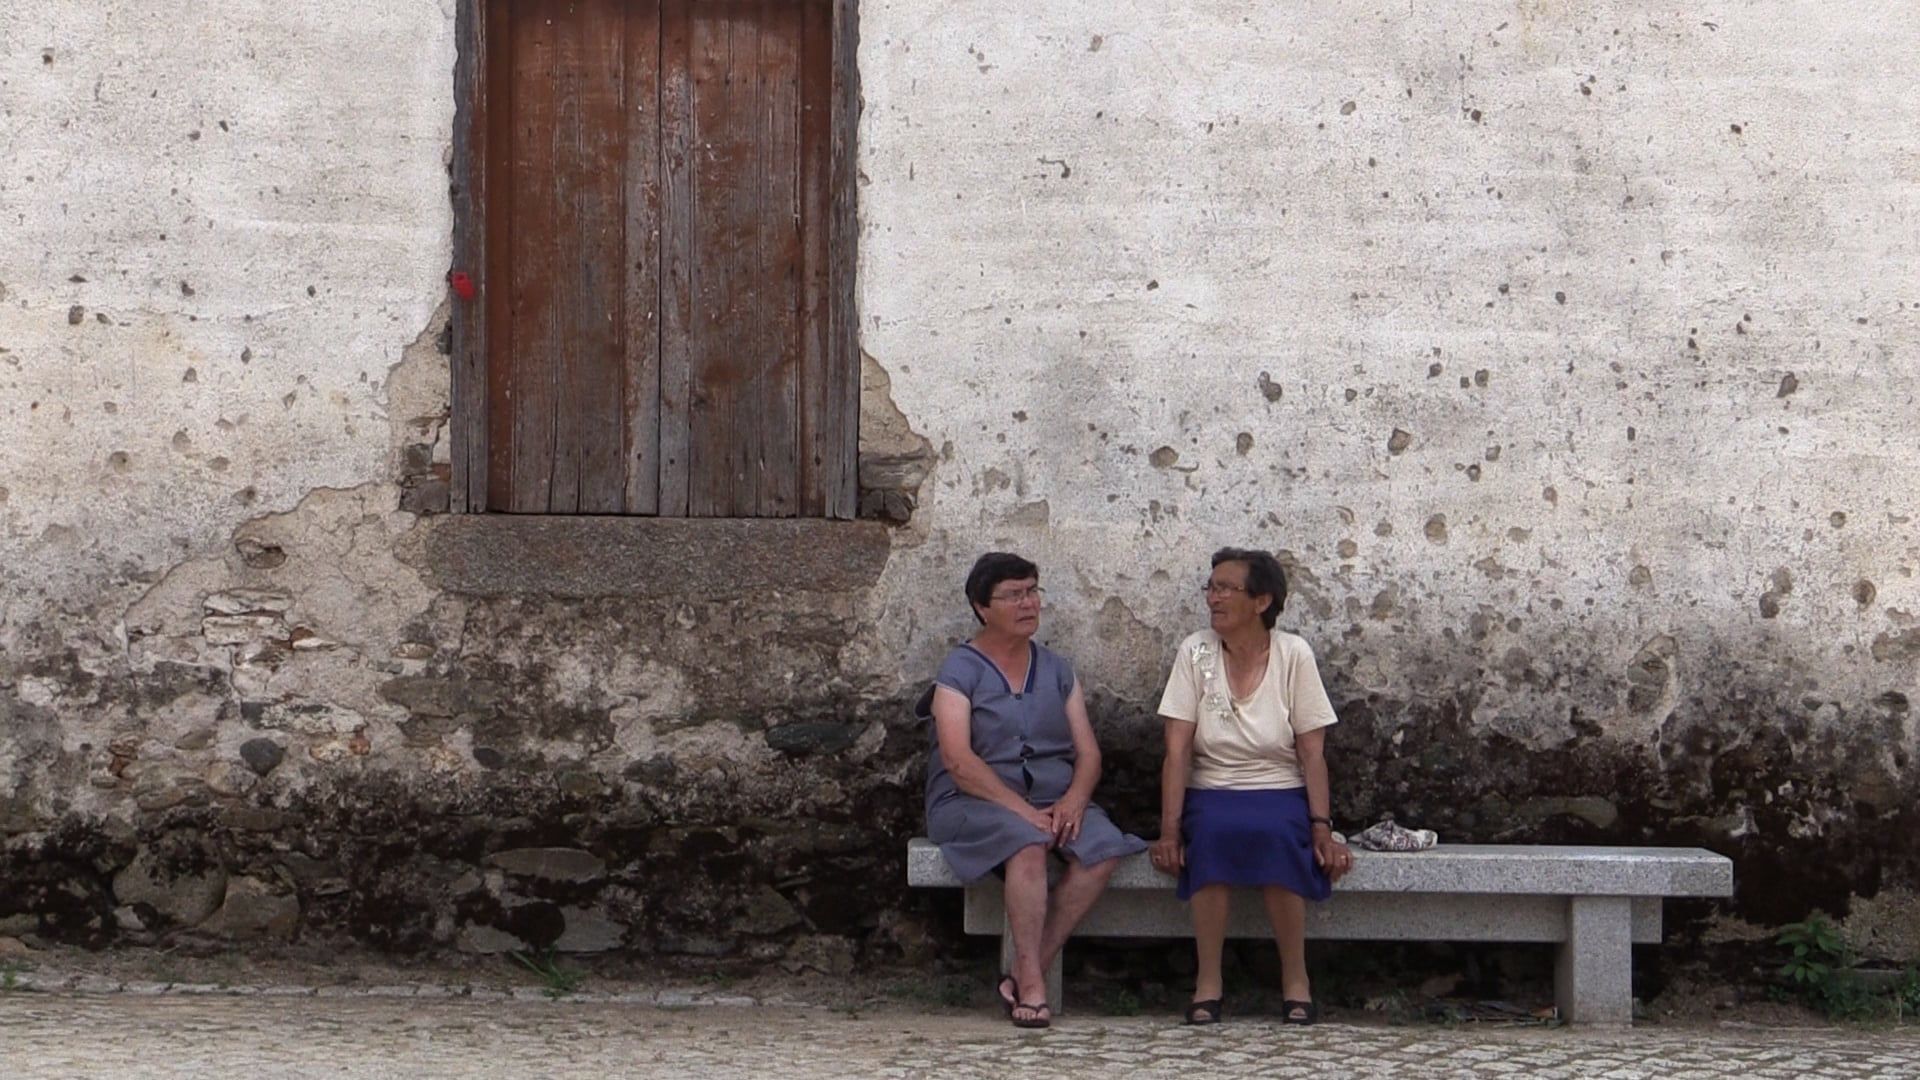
x,y
1042,1015
1308,1012
1203,1013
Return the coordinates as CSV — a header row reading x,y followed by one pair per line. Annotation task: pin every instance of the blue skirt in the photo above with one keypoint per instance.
x,y
1250,839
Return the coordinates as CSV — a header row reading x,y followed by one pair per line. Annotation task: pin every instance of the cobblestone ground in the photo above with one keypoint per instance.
x,y
268,1035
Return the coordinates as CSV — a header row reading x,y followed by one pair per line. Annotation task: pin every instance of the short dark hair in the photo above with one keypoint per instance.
x,y
989,571
1264,578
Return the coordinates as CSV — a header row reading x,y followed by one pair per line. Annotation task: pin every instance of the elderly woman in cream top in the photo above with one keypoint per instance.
x,y
1244,797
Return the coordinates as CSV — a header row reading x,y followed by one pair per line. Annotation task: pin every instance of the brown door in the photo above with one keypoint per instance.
x,y
663,320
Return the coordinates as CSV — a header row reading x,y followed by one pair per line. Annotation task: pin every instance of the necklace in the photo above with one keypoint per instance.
x,y
1250,665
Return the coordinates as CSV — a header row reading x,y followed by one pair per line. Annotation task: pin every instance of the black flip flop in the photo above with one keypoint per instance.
x,y
1203,1013
1044,1017
1309,1012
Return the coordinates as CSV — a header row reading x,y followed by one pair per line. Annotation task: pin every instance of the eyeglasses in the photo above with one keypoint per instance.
x,y
1212,587
1020,596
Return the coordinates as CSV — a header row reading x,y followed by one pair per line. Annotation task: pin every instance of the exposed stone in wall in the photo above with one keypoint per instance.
x,y
342,743
1886,925
418,392
894,459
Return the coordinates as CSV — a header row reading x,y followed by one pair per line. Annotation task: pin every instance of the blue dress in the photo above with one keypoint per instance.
x,y
1022,734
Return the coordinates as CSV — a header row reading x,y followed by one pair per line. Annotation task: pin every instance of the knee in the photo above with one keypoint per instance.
x,y
1028,862
1210,898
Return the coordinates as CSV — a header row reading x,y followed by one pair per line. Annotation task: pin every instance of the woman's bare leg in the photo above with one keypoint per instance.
x,y
1026,899
1288,914
1210,906
1072,897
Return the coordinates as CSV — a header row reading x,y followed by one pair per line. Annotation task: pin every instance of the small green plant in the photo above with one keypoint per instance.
x,y
1907,996
9,976
1818,972
1120,1002
560,981
1815,952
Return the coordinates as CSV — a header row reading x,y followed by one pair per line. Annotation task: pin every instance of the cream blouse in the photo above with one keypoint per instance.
x,y
1246,743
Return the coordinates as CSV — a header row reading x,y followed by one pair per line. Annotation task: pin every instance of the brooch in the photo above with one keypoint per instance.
x,y
1212,687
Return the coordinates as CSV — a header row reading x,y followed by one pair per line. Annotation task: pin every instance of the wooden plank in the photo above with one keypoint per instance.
x,y
467,415
590,419
817,354
843,397
640,442
781,253
677,217
568,255
725,91
497,280
535,356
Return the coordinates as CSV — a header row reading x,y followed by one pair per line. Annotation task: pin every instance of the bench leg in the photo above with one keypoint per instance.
x,y
1593,974
1055,997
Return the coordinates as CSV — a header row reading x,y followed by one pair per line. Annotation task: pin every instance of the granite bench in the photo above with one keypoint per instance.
x,y
1593,903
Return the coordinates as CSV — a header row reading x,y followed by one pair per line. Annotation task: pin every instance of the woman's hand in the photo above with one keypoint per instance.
x,y
1067,815
1039,819
1333,856
1166,854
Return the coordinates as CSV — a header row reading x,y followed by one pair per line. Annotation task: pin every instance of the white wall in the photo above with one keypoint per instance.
x,y
1168,277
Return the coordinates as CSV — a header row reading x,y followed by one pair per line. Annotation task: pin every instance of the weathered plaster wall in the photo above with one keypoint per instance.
x,y
223,224
1567,351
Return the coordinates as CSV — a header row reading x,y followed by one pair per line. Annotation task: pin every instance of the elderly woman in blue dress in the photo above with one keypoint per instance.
x,y
1012,774
1243,789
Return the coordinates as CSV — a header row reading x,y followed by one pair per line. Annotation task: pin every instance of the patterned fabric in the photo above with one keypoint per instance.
x,y
1389,835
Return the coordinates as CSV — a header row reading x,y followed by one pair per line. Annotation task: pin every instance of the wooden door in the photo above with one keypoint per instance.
x,y
660,211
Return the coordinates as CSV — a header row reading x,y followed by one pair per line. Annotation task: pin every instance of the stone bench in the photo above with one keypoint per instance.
x,y
1594,903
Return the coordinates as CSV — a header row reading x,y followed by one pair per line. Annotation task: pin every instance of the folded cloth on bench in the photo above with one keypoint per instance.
x,y
1389,835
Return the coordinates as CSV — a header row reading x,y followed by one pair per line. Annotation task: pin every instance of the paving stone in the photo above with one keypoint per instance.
x,y
381,1031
